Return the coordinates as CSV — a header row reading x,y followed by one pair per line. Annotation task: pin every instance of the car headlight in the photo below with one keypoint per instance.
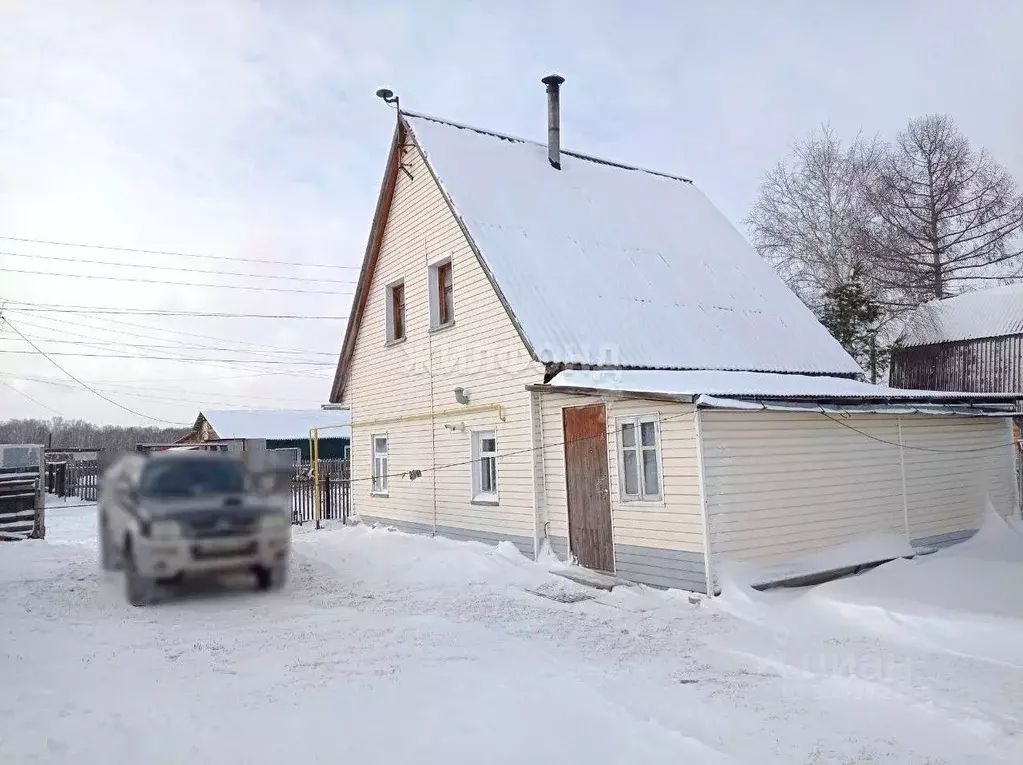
x,y
274,522
164,531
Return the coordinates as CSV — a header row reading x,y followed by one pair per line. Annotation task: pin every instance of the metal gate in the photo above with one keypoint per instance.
x,y
22,492
334,488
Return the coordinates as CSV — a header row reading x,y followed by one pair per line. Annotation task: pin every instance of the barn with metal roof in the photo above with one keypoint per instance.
x,y
971,342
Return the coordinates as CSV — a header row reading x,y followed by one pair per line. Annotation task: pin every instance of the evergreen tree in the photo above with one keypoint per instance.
x,y
852,315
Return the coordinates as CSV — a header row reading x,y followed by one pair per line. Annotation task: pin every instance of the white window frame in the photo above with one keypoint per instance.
x,y
477,495
435,296
636,421
379,466
389,310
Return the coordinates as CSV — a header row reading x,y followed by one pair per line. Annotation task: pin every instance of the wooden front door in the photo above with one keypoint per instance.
x,y
589,495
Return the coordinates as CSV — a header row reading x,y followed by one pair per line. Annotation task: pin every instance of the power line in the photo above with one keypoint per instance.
x,y
167,358
34,401
142,354
504,455
129,389
242,364
85,385
97,342
175,284
198,402
916,448
170,252
84,309
275,277
607,433
238,363
165,331
255,346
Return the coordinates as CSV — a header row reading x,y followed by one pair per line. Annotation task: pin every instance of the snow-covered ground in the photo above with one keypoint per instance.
x,y
388,648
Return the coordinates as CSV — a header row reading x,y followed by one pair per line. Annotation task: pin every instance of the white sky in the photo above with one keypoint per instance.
x,y
249,129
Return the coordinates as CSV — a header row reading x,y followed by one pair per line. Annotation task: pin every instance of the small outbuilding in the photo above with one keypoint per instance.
x,y
972,342
273,429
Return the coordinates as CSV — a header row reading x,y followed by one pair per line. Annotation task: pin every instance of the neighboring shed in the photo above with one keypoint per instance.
x,y
257,429
972,342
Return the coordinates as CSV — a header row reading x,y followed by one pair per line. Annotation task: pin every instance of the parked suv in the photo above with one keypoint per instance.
x,y
170,514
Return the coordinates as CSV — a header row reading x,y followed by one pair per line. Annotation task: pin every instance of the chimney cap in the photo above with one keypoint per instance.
x,y
553,79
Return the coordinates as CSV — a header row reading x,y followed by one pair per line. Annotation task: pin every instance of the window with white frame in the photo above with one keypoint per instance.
x,y
639,458
395,312
484,466
442,296
379,482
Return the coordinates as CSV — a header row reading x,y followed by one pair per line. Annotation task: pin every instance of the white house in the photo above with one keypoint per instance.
x,y
546,346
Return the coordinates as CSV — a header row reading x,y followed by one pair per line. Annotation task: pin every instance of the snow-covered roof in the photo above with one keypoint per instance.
x,y
276,424
750,384
605,264
986,313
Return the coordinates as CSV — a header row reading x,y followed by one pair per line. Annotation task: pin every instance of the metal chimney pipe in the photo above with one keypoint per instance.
x,y
553,83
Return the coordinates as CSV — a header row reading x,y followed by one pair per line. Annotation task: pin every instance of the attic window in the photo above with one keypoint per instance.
x,y
395,312
442,298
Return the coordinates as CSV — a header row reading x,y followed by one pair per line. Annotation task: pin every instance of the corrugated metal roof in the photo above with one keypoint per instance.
x,y
604,264
751,384
986,313
277,424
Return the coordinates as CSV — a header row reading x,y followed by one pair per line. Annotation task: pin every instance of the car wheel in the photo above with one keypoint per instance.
x,y
140,590
107,554
271,578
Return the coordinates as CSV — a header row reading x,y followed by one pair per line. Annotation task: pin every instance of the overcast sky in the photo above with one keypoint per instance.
x,y
249,129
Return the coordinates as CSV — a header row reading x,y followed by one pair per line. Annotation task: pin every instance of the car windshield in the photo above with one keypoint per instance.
x,y
185,478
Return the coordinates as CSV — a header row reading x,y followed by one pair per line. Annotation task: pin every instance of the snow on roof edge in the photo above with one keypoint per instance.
x,y
767,385
975,315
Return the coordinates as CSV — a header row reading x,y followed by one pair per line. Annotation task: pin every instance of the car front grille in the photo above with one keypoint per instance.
x,y
201,553
219,524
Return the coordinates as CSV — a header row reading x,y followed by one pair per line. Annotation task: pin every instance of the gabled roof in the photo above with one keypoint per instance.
x,y
974,315
275,424
603,264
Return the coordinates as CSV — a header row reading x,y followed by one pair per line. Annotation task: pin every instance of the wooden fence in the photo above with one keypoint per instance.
x,y
81,479
22,508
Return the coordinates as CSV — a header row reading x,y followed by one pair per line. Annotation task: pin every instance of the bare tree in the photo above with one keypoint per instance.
x,y
946,215
812,213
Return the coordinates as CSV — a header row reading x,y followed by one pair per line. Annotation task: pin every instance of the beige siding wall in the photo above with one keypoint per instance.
x,y
784,484
673,524
481,352
945,490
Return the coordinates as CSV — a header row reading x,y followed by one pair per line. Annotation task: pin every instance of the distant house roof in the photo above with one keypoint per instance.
x,y
602,264
974,315
752,385
275,424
